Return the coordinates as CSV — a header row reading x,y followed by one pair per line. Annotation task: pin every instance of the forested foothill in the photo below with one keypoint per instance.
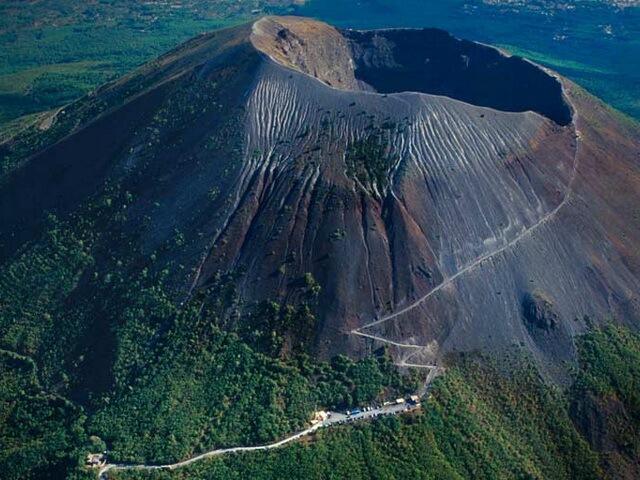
x,y
485,418
95,352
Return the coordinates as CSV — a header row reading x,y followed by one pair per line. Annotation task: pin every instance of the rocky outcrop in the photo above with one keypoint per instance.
x,y
309,46
538,312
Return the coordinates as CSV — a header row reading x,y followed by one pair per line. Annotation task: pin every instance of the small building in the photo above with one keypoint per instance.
x,y
319,416
96,460
415,398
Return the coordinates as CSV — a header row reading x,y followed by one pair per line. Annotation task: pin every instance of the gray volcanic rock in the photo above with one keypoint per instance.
x,y
427,198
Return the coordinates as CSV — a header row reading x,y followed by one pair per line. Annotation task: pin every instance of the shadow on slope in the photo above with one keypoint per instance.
x,y
432,61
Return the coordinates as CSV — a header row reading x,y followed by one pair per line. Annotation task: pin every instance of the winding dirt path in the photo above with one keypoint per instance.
x,y
213,453
334,419
480,260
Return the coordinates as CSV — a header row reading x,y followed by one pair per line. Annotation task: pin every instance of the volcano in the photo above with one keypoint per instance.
x,y
444,195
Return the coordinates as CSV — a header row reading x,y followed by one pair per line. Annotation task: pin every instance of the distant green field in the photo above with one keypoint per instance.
x,y
53,51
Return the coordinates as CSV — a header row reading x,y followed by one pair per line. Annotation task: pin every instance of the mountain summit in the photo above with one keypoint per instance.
x,y
442,195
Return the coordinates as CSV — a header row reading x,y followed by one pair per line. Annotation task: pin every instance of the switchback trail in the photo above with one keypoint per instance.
x,y
488,256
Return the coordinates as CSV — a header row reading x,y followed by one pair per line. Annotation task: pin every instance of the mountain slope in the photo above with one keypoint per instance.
x,y
434,219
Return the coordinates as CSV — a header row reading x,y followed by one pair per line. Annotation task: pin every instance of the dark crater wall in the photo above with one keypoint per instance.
x,y
434,62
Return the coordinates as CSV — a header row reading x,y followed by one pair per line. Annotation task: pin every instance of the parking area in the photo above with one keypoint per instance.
x,y
396,407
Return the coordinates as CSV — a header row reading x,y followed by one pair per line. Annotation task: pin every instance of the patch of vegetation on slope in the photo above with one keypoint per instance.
x,y
40,434
479,422
369,161
209,390
606,398
35,284
183,385
274,328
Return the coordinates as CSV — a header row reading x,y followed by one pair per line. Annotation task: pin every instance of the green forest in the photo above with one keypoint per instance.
x,y
55,51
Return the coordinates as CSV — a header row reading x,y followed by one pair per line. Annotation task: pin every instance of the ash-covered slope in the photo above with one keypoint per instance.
x,y
443,195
